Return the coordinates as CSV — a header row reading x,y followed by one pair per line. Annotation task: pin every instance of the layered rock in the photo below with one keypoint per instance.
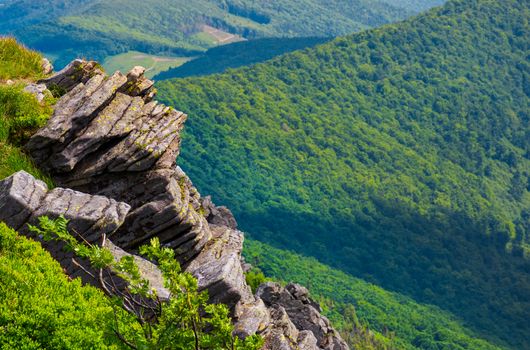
x,y
303,312
115,150
23,199
107,137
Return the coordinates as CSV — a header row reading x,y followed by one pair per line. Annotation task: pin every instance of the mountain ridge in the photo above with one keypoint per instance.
x,y
98,29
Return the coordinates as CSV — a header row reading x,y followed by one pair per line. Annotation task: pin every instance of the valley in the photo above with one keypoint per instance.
x,y
376,152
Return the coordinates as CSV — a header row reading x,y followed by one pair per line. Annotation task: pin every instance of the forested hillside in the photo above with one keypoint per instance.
x,y
399,155
245,53
97,29
399,322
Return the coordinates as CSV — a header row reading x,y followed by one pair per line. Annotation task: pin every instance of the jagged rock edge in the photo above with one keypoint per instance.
x,y
288,321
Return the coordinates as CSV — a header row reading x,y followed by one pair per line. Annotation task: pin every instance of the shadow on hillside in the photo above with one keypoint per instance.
x,y
444,259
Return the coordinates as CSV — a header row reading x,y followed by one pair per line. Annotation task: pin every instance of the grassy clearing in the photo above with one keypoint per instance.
x,y
17,62
154,64
20,116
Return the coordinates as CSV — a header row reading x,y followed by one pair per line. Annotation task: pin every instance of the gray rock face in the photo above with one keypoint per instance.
x,y
105,138
37,90
218,269
303,312
218,215
23,199
20,196
78,71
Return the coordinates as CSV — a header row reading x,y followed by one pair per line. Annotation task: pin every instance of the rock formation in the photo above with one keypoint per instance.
x,y
112,149
23,199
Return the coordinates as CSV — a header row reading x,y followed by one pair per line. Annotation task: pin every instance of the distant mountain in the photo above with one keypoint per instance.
x,y
400,155
245,53
97,29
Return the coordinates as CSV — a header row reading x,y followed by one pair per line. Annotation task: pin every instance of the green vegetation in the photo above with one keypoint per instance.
x,y
41,309
219,59
153,64
185,321
398,155
17,61
98,29
20,112
399,321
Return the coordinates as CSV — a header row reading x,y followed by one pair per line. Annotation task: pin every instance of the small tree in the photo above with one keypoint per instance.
x,y
185,321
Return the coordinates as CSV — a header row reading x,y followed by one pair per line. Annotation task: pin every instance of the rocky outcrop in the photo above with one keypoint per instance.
x,y
105,138
23,199
303,312
218,215
112,149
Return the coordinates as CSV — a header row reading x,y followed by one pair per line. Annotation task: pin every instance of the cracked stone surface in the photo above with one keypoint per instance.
x,y
105,138
23,199
112,149
303,312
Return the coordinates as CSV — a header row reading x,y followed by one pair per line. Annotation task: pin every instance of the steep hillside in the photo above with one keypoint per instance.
x,y
245,53
400,322
97,29
399,155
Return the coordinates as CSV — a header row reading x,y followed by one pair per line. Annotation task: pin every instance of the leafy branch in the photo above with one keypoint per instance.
x,y
184,320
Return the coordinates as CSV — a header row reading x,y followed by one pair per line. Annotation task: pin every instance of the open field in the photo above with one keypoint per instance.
x,y
154,64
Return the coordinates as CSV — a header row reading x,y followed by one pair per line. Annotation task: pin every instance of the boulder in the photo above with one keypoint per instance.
x,y
20,196
47,67
38,90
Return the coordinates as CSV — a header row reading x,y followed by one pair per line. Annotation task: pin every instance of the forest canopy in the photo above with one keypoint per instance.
x,y
399,155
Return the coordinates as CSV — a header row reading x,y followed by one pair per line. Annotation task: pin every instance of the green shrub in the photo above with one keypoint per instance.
x,y
254,278
20,116
41,309
185,321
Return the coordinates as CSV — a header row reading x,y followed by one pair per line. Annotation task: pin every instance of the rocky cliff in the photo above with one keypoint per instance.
x,y
111,149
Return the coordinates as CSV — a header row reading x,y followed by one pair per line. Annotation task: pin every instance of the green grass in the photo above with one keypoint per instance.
x,y
154,64
205,38
41,309
17,62
20,112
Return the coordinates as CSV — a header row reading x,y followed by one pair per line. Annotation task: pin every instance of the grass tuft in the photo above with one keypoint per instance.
x,y
18,62
21,114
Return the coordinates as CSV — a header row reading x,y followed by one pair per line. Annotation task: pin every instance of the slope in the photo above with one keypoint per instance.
x,y
399,155
399,321
97,29
219,59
